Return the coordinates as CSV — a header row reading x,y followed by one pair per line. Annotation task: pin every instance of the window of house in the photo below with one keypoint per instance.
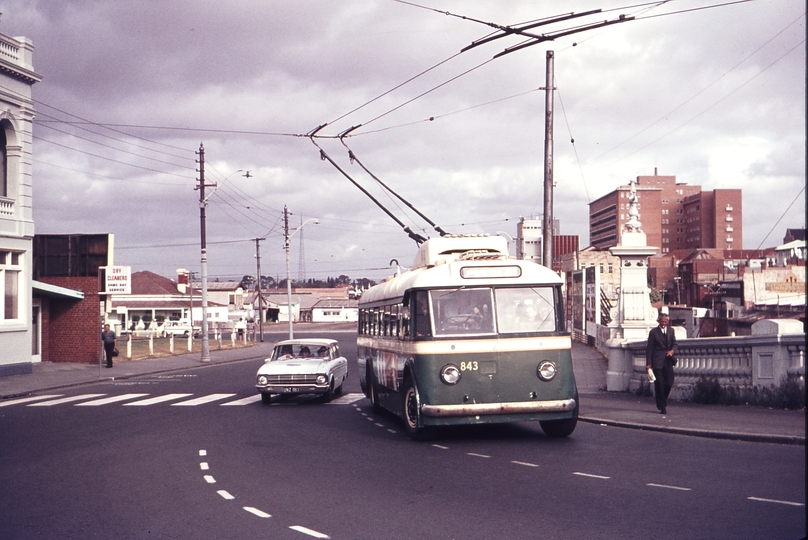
x,y
10,267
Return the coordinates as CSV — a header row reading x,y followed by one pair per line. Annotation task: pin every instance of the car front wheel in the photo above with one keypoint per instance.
x,y
266,398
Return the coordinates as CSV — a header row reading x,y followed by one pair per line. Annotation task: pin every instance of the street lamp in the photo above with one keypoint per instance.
x,y
288,278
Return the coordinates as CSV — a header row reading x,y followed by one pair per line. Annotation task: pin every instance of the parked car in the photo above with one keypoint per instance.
x,y
181,328
302,366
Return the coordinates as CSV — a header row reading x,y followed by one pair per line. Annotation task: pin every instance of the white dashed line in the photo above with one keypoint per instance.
x,y
257,512
203,452
524,463
201,400
392,431
225,495
477,455
158,399
310,532
592,475
66,400
669,487
27,399
441,447
347,399
106,401
379,424
204,466
243,401
209,479
775,501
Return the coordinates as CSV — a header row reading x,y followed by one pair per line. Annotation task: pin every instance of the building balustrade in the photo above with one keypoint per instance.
x,y
6,207
738,361
9,50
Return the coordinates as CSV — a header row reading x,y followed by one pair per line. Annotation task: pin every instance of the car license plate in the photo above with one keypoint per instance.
x,y
291,390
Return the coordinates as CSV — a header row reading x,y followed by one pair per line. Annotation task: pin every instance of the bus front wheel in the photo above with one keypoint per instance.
x,y
560,428
412,412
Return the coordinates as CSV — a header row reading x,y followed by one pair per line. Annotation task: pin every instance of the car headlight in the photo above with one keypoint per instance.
x,y
262,380
321,379
546,370
450,374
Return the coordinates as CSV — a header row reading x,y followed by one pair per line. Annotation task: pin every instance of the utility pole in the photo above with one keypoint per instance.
x,y
288,277
258,287
547,236
204,259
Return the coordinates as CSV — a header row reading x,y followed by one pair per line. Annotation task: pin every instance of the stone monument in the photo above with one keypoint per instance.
x,y
633,317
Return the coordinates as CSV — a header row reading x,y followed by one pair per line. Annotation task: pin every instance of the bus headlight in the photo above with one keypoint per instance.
x,y
546,371
450,374
321,379
262,380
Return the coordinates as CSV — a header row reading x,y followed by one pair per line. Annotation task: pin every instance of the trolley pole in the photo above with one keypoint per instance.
x,y
547,233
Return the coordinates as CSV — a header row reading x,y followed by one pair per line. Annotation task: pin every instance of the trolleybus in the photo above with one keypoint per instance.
x,y
468,335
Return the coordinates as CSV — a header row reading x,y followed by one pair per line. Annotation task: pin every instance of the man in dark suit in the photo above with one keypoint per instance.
x,y
659,357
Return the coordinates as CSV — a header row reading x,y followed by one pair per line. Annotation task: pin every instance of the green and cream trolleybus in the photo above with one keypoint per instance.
x,y
468,335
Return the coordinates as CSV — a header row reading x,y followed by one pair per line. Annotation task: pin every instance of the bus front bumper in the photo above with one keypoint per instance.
x,y
513,407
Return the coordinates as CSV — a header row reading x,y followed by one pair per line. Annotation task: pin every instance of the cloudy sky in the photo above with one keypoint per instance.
x,y
130,90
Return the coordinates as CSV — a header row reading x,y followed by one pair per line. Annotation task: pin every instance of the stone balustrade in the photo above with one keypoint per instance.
x,y
738,361
9,50
6,206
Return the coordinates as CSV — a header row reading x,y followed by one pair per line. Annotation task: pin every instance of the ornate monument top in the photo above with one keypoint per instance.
x,y
633,224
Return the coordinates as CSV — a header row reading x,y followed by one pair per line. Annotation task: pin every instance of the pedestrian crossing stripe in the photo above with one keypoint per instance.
x,y
97,400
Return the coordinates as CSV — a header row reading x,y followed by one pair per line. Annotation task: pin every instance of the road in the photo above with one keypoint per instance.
x,y
195,454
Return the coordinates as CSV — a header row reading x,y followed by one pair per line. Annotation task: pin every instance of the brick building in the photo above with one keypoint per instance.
x,y
674,215
66,292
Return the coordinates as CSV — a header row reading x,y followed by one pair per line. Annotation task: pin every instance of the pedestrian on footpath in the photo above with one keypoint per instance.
x,y
659,357
110,343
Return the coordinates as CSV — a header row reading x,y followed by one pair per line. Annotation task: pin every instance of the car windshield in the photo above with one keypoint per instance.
x,y
301,350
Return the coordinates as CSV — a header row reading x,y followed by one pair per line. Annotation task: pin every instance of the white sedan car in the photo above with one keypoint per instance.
x,y
302,366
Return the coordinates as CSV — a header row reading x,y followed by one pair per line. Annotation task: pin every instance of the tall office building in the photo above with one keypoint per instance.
x,y
673,215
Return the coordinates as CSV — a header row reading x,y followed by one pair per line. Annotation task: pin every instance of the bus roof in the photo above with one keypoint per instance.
x,y
475,263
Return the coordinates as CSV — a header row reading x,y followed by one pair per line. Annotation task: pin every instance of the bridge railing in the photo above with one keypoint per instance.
x,y
737,361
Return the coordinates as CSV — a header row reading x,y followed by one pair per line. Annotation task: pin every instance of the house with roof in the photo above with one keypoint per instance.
x,y
155,299
335,310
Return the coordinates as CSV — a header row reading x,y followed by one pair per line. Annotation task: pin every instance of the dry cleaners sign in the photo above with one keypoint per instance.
x,y
117,279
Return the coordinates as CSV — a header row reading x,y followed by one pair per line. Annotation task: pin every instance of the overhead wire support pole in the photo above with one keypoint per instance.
x,y
204,258
353,158
325,157
547,226
258,287
288,278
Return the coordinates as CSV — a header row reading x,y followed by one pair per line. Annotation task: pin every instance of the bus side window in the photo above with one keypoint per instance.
x,y
404,317
420,313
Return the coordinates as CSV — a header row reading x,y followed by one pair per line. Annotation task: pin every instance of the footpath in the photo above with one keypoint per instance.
x,y
597,406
